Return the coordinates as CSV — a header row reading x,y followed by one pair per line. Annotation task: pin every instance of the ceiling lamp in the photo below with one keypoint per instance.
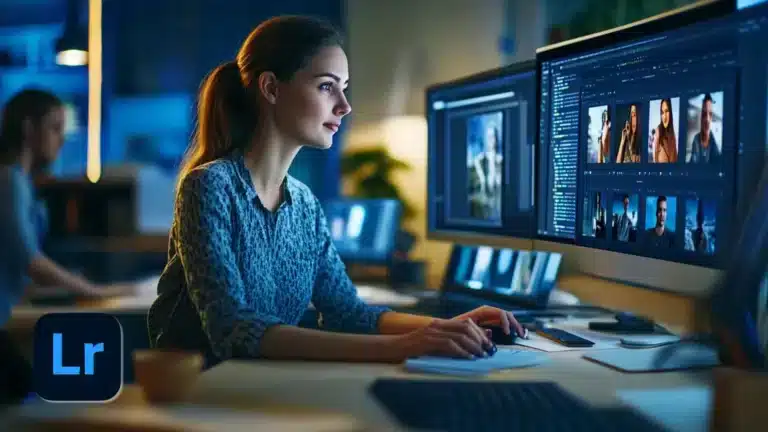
x,y
72,46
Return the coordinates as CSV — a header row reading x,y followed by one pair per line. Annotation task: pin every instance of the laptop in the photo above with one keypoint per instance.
x,y
517,280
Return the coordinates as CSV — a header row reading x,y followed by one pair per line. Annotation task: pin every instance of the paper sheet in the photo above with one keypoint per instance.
x,y
541,343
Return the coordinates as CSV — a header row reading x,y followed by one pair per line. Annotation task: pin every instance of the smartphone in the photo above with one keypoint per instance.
x,y
563,337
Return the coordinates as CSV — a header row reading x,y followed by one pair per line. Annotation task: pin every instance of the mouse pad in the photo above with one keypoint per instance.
x,y
503,359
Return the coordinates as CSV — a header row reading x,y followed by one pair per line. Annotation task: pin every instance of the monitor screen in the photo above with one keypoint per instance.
x,y
480,134
525,276
652,138
364,230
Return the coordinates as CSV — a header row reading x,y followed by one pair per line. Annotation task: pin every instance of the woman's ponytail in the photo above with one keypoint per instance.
x,y
228,102
223,117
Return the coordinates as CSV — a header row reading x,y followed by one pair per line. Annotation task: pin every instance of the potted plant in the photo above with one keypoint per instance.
x,y
371,170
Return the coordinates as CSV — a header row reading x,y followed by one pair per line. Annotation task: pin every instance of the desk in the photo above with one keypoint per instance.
x,y
342,387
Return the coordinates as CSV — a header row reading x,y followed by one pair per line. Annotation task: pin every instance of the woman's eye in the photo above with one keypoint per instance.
x,y
326,86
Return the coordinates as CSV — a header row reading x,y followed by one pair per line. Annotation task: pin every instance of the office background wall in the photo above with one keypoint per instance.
x,y
156,52
396,49
162,50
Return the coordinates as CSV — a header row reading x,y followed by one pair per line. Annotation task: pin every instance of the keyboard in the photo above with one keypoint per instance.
x,y
447,405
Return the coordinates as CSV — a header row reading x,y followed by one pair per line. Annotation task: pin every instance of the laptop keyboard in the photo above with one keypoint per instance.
x,y
499,406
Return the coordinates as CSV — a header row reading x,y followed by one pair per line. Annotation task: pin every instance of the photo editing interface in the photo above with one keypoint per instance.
x,y
651,146
507,272
481,154
363,230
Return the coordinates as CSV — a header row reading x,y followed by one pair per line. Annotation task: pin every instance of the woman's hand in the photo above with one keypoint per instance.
x,y
113,290
491,316
448,338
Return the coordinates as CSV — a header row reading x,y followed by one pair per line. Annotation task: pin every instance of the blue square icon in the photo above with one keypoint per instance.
x,y
78,357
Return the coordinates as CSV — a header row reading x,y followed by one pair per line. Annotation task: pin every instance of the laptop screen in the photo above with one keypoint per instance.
x,y
507,275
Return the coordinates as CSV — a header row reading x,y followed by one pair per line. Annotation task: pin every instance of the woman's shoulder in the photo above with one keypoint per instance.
x,y
13,178
300,193
215,174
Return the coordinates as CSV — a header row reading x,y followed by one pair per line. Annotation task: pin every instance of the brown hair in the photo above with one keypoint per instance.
x,y
29,104
227,111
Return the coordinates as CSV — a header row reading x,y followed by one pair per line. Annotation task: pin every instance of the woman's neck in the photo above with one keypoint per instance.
x,y
268,158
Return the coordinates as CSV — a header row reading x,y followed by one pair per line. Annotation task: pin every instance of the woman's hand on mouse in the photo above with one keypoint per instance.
x,y
491,316
447,338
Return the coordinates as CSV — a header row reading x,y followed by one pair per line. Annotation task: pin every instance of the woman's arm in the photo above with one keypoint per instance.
x,y
333,294
620,154
43,271
203,233
18,236
394,323
285,342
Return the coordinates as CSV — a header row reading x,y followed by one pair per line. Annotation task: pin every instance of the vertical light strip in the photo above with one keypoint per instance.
x,y
93,167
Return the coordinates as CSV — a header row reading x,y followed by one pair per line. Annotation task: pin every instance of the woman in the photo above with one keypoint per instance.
x,y
31,134
630,139
250,247
605,139
664,138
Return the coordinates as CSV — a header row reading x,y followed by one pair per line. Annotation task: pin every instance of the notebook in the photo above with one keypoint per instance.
x,y
503,359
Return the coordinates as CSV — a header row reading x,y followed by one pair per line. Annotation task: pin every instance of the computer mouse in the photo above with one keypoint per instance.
x,y
499,338
648,341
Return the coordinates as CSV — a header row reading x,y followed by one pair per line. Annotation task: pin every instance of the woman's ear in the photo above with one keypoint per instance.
x,y
268,86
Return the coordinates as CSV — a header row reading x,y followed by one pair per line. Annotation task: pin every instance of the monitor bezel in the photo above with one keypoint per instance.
x,y
686,15
468,235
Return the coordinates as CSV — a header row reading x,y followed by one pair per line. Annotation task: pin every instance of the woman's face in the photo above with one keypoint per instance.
x,y
309,107
47,137
665,114
633,118
490,140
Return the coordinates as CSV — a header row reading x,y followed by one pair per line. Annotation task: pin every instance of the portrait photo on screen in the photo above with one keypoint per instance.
x,y
595,215
627,140
479,275
485,162
502,269
663,127
598,134
700,224
624,217
704,144
529,266
660,217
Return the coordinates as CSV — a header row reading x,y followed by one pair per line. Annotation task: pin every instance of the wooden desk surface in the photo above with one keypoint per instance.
x,y
343,387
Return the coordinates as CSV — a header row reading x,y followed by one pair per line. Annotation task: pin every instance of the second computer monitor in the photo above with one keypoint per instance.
x,y
481,138
364,230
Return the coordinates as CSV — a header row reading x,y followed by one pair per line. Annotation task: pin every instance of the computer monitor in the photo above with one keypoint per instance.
x,y
652,136
364,230
503,274
481,132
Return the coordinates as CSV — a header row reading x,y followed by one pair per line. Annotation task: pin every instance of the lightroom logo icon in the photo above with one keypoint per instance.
x,y
78,357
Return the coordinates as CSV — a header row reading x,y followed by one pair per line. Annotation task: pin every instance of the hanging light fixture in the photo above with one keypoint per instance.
x,y
72,46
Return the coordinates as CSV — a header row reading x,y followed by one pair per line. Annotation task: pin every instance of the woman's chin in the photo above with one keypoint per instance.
x,y
319,144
